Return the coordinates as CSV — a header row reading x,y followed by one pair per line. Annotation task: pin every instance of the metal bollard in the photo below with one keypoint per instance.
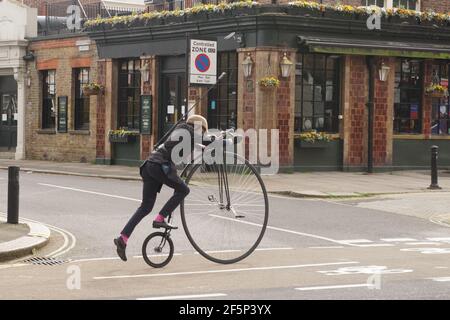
x,y
434,170
13,195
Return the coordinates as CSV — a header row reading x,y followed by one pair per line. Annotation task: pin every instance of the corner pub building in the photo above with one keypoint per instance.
x,y
368,89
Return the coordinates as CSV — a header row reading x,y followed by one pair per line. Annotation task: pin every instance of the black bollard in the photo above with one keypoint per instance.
x,y
13,195
434,170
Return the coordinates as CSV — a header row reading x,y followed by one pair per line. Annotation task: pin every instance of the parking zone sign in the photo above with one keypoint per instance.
x,y
203,62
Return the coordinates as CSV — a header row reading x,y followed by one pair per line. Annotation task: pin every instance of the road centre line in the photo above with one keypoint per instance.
x,y
346,286
225,270
192,296
398,239
90,192
286,230
441,279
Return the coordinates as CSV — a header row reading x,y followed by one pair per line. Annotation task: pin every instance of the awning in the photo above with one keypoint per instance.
x,y
336,45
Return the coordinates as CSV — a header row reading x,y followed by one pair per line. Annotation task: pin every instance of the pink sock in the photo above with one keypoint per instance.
x,y
124,238
159,218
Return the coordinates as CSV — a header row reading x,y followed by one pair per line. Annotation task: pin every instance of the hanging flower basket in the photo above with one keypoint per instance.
x,y
92,89
269,83
436,91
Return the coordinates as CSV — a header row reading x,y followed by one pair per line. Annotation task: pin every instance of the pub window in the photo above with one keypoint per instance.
x,y
408,96
440,115
222,101
129,94
81,78
366,3
317,93
48,99
406,4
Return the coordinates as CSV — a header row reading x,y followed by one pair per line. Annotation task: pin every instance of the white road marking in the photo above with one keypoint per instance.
x,y
424,243
428,250
439,239
346,286
331,247
356,241
226,270
192,296
398,239
363,270
285,230
117,258
441,279
90,192
376,245
272,249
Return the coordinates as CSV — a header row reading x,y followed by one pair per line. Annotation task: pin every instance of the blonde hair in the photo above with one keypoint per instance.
x,y
198,118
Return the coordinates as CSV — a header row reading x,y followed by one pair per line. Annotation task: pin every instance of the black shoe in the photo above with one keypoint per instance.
x,y
163,224
121,246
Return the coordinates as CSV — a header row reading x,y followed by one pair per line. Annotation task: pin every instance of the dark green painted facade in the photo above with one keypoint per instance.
x,y
312,158
416,154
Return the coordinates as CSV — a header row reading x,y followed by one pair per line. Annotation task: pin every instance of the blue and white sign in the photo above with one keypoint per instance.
x,y
203,62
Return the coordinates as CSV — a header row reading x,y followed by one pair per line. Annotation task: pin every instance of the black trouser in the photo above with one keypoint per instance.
x,y
153,178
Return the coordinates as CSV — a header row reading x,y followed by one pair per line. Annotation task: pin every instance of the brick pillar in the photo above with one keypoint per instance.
x,y
148,88
427,100
100,130
261,108
355,112
383,114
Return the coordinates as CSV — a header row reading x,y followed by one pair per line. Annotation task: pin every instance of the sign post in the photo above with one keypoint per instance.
x,y
62,114
203,62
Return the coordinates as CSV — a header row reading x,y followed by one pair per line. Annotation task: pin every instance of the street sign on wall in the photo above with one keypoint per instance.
x,y
203,62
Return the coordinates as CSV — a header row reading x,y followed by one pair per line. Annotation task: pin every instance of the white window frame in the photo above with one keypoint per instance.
x,y
390,4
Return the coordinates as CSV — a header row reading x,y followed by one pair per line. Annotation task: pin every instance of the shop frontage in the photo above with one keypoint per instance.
x,y
13,77
354,101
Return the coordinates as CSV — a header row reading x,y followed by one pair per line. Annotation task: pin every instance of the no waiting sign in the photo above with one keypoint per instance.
x,y
203,62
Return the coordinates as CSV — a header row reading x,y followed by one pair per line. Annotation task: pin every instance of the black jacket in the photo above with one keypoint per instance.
x,y
163,153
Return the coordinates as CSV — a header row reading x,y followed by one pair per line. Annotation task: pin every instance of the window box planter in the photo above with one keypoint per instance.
x,y
174,19
332,14
302,11
196,17
91,92
399,20
313,145
128,138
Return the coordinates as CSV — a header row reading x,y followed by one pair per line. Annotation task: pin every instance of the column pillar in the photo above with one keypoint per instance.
x,y
19,76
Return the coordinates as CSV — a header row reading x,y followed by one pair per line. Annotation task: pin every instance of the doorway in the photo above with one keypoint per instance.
x,y
8,123
173,102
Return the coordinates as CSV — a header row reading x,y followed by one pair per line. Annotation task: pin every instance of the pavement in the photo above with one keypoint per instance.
x,y
24,238
332,184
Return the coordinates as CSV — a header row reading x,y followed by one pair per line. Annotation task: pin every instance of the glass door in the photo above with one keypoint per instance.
x,y
173,104
8,123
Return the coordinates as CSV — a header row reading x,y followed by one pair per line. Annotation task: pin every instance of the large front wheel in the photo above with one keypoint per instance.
x,y
226,213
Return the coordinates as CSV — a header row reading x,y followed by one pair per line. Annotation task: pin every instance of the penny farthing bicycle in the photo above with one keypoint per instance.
x,y
224,216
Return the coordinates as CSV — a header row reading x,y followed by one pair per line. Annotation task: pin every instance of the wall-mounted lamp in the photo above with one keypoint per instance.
x,y
247,65
145,72
29,56
384,72
286,66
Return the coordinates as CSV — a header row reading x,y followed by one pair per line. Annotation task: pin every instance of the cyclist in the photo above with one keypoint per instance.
x,y
157,170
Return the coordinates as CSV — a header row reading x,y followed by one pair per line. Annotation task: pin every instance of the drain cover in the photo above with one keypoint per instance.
x,y
43,261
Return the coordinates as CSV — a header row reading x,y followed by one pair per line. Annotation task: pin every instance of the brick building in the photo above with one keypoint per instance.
x,y
365,89
60,119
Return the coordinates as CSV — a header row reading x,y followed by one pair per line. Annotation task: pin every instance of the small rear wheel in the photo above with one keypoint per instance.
x,y
157,249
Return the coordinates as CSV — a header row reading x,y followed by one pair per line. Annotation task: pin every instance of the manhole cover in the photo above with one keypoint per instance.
x,y
43,261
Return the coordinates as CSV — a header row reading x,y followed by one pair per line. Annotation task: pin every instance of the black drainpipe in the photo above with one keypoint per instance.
x,y
370,108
